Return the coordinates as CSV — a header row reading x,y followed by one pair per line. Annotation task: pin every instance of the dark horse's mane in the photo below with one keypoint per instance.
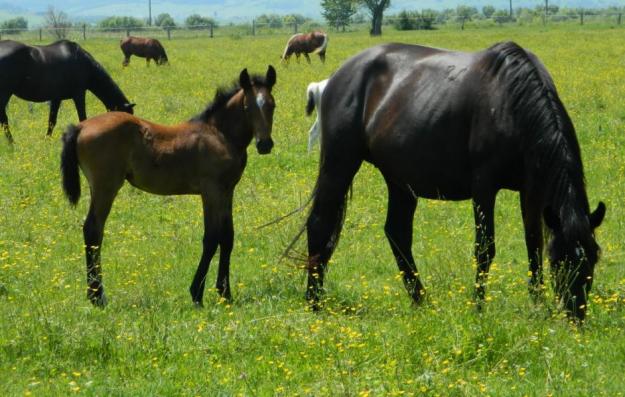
x,y
548,134
102,80
222,96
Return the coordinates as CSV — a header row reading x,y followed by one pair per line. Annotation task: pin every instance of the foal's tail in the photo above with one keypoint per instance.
x,y
69,164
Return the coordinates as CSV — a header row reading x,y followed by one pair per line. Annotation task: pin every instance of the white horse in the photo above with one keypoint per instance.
x,y
314,93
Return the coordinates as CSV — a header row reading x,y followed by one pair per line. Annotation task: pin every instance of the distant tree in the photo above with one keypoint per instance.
x,y
294,18
58,22
164,20
120,22
488,11
376,9
196,21
338,12
428,17
270,20
14,26
407,20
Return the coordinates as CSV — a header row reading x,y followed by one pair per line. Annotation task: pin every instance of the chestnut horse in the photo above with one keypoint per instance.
x,y
448,125
302,43
62,70
143,47
205,156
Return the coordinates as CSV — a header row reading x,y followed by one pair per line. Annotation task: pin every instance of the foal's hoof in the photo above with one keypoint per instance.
x,y
198,305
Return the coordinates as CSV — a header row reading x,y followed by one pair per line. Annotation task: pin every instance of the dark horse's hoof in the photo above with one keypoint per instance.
x,y
99,300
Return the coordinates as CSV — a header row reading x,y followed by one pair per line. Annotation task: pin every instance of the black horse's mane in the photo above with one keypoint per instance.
x,y
548,134
223,95
106,88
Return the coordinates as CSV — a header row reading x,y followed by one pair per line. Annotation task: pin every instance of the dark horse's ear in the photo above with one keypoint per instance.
x,y
551,219
597,216
270,79
244,80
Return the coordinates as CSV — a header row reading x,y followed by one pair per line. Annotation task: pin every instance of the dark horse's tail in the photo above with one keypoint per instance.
x,y
69,164
310,105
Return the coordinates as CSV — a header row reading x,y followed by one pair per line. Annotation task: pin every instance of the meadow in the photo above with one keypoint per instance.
x,y
369,339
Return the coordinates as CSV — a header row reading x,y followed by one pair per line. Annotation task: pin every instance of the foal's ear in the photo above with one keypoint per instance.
x,y
270,79
597,216
552,220
244,80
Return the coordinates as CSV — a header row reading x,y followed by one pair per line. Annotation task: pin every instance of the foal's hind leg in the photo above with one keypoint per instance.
x,y
226,241
4,120
326,217
532,223
54,111
399,218
93,231
483,211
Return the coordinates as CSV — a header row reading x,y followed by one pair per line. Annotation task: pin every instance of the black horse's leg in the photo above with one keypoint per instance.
x,y
4,120
226,240
326,217
534,242
209,246
307,57
54,111
93,232
483,211
399,218
79,102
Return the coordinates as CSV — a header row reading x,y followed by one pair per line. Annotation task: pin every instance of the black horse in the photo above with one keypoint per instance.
x,y
62,70
455,126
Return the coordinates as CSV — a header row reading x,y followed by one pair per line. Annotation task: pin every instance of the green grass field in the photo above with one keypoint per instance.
x,y
369,339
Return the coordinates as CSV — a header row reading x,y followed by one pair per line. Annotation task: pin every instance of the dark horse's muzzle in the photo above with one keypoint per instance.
x,y
264,146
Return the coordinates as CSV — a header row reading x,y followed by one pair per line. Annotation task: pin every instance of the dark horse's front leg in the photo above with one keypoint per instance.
x,y
483,211
326,218
55,104
532,222
79,102
217,230
399,218
307,57
4,120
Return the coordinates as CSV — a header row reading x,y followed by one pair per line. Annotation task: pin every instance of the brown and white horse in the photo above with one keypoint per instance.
x,y
306,43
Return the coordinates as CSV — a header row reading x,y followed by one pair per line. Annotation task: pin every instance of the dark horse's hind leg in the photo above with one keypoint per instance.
x,y
4,120
322,56
126,60
217,230
326,217
307,57
532,222
399,218
483,211
93,231
54,111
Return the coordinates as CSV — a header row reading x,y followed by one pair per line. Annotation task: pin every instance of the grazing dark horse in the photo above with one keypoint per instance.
x,y
448,125
306,43
62,70
143,47
205,155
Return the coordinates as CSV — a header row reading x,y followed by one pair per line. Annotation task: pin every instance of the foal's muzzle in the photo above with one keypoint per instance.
x,y
264,146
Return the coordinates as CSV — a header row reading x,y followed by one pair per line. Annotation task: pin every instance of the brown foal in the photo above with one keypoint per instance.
x,y
205,155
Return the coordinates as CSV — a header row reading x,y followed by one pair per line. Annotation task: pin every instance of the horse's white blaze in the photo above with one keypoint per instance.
x,y
260,101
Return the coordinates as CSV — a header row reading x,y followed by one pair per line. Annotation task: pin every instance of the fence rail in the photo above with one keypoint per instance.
x,y
254,28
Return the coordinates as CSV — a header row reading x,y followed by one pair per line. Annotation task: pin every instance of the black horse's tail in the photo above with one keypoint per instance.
x,y
69,164
310,105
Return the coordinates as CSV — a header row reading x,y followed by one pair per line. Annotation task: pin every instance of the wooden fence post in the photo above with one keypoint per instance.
x,y
253,27
211,30
84,31
581,20
40,33
168,33
619,19
294,27
127,32
462,26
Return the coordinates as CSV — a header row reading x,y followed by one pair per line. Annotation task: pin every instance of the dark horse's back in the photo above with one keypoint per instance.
x,y
428,118
41,73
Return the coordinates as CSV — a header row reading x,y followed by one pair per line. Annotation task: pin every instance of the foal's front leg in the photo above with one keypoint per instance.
x,y
209,246
226,241
483,211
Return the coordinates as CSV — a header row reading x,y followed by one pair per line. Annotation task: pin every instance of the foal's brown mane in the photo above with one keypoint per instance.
x,y
223,95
